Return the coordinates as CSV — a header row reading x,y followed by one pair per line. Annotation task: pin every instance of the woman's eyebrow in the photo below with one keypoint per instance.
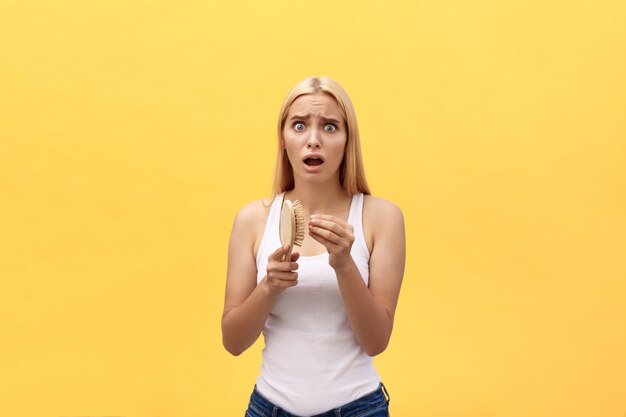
x,y
305,117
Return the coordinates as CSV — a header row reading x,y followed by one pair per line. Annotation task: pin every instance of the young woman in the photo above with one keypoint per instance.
x,y
329,309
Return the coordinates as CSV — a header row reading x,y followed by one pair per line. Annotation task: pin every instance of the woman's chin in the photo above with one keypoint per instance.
x,y
317,179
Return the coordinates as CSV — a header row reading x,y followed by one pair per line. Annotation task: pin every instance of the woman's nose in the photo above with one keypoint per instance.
x,y
313,139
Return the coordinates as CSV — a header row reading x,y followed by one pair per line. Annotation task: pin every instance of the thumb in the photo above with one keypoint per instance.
x,y
278,253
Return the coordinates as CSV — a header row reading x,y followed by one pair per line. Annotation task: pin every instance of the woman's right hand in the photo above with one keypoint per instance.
x,y
280,275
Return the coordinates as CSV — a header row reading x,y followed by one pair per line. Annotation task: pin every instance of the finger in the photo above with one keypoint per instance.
x,y
332,247
328,235
295,256
282,266
334,219
335,227
287,284
285,276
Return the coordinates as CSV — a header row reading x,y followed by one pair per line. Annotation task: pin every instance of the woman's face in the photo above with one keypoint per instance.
x,y
315,136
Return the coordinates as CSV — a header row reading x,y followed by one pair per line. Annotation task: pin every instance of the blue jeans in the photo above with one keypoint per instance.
x,y
374,404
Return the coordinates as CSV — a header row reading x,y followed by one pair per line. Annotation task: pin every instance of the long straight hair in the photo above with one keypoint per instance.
x,y
351,171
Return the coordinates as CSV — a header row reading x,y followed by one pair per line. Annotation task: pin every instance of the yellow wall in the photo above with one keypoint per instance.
x,y
132,131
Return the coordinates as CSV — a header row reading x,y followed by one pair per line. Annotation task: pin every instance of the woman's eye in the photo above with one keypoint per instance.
x,y
298,126
331,126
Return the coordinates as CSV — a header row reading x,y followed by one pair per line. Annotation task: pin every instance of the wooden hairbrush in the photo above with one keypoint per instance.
x,y
291,225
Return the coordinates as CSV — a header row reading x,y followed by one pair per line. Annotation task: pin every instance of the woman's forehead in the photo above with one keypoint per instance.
x,y
316,103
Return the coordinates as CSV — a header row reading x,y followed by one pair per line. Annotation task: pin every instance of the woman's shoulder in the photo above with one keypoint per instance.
x,y
250,222
380,216
254,212
380,207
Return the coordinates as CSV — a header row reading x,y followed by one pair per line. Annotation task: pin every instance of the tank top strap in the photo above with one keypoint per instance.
x,y
356,220
271,224
356,209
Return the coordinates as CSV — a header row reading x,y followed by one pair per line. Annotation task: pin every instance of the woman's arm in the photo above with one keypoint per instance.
x,y
370,309
247,305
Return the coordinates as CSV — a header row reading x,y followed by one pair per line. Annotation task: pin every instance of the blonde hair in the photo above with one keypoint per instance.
x,y
351,171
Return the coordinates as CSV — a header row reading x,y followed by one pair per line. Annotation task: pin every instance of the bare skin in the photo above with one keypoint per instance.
x,y
370,309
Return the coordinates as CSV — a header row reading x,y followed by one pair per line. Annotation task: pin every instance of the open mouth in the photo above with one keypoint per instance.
x,y
313,161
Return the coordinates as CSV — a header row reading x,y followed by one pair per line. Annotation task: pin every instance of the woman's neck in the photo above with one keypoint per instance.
x,y
318,198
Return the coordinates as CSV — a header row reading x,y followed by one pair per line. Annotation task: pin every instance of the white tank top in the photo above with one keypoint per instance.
x,y
311,360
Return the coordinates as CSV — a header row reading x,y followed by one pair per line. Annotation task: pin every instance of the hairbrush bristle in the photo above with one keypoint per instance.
x,y
298,211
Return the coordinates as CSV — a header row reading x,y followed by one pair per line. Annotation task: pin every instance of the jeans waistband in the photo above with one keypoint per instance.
x,y
378,396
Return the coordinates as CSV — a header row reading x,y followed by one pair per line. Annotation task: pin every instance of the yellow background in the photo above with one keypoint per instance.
x,y
132,131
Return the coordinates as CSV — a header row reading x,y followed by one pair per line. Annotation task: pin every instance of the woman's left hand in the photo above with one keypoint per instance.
x,y
336,235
